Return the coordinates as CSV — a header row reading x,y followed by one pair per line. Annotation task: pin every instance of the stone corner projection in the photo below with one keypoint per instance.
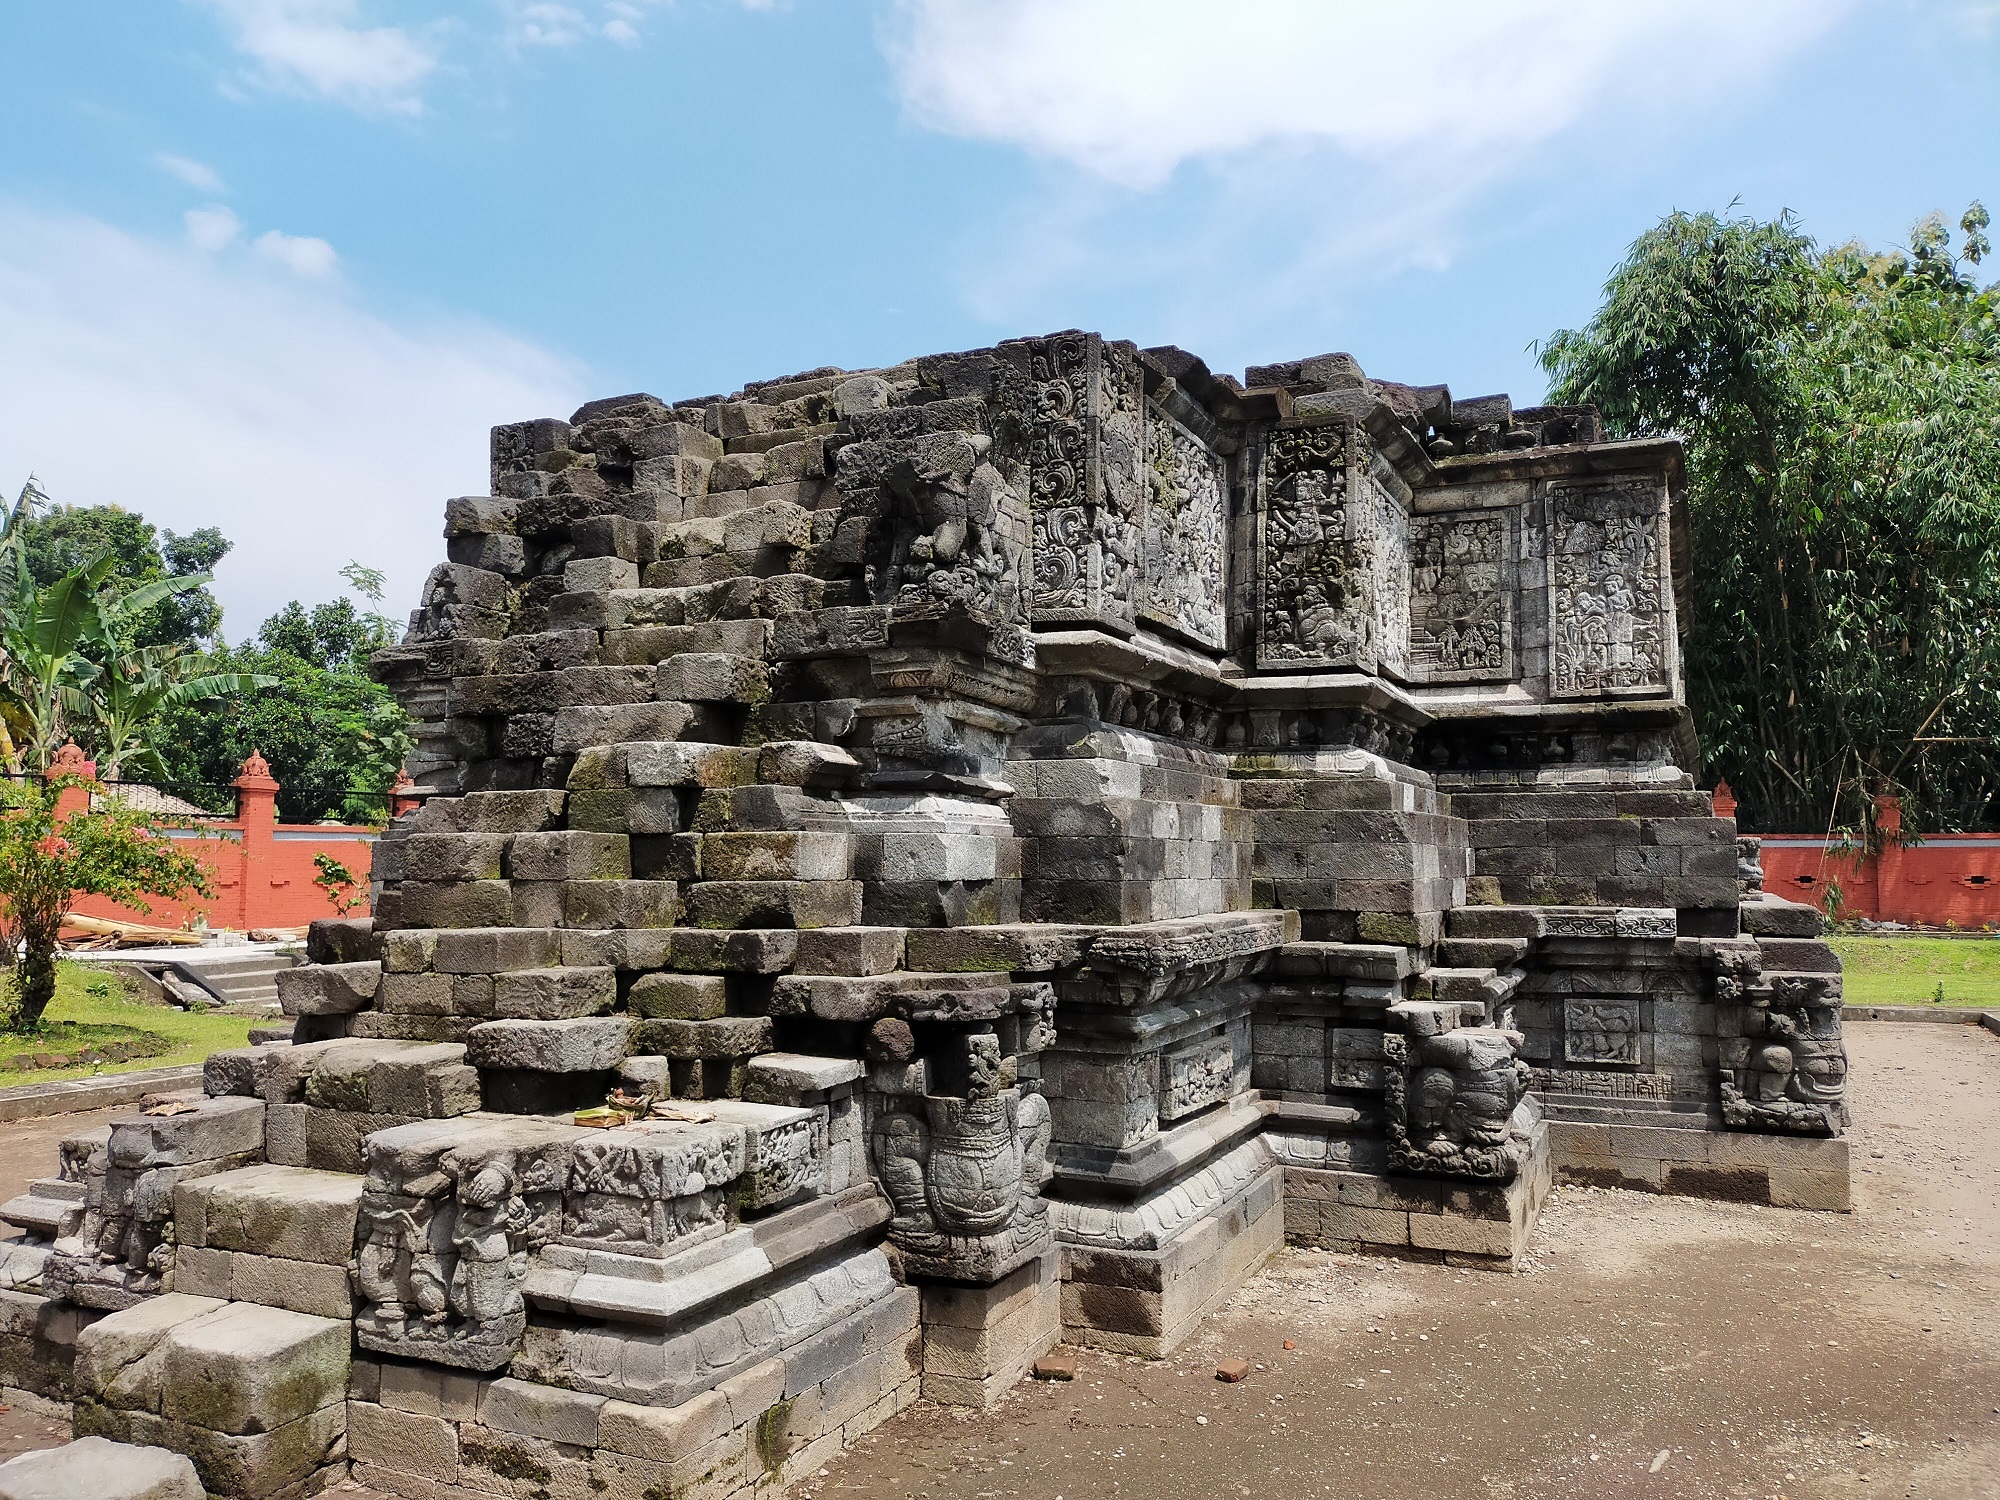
x,y
1015,838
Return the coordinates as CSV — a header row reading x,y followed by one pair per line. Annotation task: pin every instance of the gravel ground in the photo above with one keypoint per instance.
x,y
1651,1347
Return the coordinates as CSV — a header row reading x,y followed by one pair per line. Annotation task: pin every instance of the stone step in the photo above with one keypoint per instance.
x,y
1382,962
102,1469
1483,952
43,1213
1457,984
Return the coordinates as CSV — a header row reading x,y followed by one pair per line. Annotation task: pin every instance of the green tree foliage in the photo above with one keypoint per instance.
x,y
71,662
1841,411
335,739
67,537
49,858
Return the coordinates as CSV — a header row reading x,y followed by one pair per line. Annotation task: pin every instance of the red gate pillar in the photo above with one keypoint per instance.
x,y
1889,889
256,814
71,761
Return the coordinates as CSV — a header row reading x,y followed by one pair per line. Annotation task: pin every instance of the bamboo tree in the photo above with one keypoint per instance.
x,y
1841,411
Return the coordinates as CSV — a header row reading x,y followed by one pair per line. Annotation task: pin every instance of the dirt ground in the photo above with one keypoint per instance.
x,y
1652,1347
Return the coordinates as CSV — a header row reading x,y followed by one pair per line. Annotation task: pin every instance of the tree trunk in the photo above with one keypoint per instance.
x,y
35,973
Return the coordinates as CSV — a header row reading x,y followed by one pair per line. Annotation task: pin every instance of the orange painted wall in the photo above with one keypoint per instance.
x,y
261,871
273,887
1954,877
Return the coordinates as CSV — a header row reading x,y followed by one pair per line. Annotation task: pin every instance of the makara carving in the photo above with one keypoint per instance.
x,y
947,541
1450,1095
965,1174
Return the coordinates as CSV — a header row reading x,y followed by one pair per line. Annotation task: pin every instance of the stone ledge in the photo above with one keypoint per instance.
x,y
32,1101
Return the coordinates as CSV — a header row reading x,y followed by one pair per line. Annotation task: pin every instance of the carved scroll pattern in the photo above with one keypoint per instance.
x,y
1186,532
1388,550
1083,492
1610,632
1315,602
1461,605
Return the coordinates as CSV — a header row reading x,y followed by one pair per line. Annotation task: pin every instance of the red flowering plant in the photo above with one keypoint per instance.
x,y
49,857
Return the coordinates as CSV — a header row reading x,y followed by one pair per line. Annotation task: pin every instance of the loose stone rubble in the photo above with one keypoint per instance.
x,y
923,863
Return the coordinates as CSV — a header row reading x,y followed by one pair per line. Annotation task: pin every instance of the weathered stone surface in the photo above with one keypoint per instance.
x,y
97,1467
584,1045
1157,814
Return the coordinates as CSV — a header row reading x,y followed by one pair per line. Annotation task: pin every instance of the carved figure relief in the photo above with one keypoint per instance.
x,y
648,1188
1083,459
947,545
965,1175
1461,601
1609,631
1316,583
1601,1031
1785,1069
1186,532
1387,549
1197,1077
1449,1100
445,1237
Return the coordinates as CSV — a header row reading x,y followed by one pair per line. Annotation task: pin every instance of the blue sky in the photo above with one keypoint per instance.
x,y
276,265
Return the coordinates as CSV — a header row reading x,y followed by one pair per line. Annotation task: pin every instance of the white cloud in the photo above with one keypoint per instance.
x,y
299,253
316,46
197,175
204,391
543,25
1130,89
211,228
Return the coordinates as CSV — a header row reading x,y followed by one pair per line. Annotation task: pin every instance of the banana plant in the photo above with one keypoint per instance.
x,y
136,686
66,665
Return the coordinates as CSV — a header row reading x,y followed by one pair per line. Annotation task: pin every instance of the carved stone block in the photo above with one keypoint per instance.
x,y
1186,533
1609,591
1461,596
1596,1032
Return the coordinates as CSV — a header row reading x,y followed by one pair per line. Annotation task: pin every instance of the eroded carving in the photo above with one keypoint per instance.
x,y
947,543
1601,1031
1785,1067
1186,532
1609,632
965,1172
1450,1095
1461,609
446,1228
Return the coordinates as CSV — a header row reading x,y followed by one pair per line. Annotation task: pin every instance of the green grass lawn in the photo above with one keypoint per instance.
x,y
1910,970
93,1011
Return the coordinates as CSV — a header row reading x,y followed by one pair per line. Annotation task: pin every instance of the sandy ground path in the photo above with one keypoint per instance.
x,y
1653,1347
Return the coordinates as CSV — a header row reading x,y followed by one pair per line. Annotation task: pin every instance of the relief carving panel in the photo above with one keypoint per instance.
x,y
1314,605
1461,601
1197,1077
1186,533
1610,632
1596,1032
1084,441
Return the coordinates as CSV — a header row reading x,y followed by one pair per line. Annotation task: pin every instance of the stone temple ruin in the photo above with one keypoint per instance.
x,y
923,863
